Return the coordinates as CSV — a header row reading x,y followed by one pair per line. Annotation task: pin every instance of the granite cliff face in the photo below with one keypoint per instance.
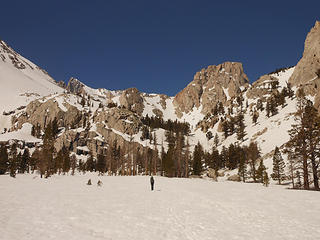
x,y
307,68
212,85
307,72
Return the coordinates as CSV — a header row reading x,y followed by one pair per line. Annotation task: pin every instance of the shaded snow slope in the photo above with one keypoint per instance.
x,y
125,208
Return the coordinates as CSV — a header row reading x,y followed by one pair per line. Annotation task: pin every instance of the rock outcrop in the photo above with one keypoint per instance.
x,y
41,113
75,86
121,120
131,99
212,85
309,64
307,72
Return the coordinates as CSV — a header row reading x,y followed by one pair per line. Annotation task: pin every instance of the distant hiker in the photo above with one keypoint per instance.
x,y
99,183
152,182
89,182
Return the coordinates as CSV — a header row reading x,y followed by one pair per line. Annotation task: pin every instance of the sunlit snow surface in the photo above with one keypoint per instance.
x,y
64,207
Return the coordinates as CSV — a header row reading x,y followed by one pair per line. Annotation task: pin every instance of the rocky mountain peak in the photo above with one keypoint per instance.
x,y
210,86
308,66
75,86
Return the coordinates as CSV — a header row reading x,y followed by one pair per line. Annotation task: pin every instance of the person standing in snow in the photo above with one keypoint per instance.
x,y
152,182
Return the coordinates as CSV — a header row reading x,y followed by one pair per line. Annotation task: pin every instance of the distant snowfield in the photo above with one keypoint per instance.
x,y
64,207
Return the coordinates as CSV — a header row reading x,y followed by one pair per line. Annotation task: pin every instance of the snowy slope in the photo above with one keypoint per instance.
x,y
21,81
64,207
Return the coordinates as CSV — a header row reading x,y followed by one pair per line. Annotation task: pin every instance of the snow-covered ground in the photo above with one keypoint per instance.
x,y
64,207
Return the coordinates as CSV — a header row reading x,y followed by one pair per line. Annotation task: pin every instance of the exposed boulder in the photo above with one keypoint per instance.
x,y
212,174
234,178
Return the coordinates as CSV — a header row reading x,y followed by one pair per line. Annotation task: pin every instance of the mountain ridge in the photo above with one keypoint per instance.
x,y
90,120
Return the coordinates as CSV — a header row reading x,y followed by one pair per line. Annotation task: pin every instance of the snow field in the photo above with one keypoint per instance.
x,y
64,207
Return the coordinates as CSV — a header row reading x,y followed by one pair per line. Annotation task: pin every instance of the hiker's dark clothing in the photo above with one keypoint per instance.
x,y
152,182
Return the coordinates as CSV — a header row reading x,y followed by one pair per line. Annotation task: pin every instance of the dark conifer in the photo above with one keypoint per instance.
x,y
278,166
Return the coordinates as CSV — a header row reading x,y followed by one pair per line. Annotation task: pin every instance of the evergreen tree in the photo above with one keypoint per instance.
x,y
186,159
48,165
299,143
59,161
273,106
261,169
73,163
4,161
260,105
266,180
268,108
242,170
253,154
90,164
168,164
24,163
278,166
298,176
66,165
255,116
101,164
13,160
197,160
241,128
216,140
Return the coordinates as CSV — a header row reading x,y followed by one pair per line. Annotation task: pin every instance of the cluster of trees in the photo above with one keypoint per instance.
x,y
303,148
278,99
283,69
11,161
234,125
173,126
151,123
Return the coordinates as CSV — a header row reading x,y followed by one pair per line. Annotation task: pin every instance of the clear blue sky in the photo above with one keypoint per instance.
x,y
156,46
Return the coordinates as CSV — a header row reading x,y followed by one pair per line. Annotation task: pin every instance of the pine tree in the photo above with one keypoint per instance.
x,y
242,170
298,176
197,160
47,161
216,140
255,116
260,105
73,163
13,160
186,159
66,161
253,154
268,108
273,106
101,164
312,129
278,166
266,180
24,163
260,171
4,161
90,164
300,135
241,133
